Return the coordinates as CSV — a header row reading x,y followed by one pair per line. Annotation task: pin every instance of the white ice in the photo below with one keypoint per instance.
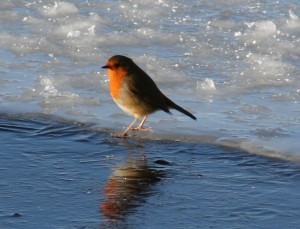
x,y
233,64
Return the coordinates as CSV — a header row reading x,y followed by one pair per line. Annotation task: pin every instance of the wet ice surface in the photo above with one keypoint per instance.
x,y
72,176
233,64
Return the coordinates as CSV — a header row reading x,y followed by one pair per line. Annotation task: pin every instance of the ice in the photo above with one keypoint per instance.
x,y
293,22
206,85
49,89
259,32
272,70
59,9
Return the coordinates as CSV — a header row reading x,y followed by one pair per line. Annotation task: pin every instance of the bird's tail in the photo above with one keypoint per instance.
x,y
173,105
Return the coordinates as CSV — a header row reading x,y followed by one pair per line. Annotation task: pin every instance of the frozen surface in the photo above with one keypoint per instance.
x,y
235,65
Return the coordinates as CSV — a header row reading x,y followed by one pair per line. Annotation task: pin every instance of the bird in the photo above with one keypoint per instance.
x,y
136,93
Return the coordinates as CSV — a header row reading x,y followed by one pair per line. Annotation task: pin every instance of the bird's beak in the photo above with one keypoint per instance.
x,y
105,66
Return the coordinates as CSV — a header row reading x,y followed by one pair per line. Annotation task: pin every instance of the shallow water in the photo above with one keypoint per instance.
x,y
61,174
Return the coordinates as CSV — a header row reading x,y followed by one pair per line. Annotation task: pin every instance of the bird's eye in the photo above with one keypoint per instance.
x,y
116,65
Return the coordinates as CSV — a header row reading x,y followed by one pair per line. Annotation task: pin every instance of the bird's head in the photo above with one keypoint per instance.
x,y
118,62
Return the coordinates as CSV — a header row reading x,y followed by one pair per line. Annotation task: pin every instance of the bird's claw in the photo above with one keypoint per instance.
x,y
120,135
140,128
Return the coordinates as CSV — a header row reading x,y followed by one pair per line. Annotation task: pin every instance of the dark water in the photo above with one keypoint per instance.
x,y
61,174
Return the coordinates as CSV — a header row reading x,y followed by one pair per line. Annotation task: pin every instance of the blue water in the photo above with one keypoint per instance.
x,y
233,64
60,174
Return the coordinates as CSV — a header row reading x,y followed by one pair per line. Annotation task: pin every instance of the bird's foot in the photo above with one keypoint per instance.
x,y
140,128
120,135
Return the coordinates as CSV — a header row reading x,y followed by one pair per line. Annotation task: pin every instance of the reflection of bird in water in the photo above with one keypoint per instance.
x,y
128,187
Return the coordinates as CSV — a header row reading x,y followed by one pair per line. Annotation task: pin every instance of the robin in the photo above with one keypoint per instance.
x,y
136,93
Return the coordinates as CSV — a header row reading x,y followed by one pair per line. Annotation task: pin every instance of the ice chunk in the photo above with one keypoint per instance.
x,y
48,87
206,85
73,34
59,8
293,21
293,16
265,28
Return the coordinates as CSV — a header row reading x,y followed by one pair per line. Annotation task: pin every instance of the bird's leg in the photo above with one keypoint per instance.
x,y
124,134
141,126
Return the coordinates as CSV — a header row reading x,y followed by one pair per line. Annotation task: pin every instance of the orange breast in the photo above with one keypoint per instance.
x,y
116,78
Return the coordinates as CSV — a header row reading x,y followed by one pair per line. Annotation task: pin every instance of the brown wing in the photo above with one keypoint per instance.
x,y
146,90
142,86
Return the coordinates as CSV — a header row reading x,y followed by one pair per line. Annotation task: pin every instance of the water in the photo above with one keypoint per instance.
x,y
234,65
60,174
